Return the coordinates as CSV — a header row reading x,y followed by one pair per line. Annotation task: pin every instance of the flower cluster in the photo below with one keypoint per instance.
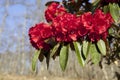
x,y
53,11
67,27
97,24
38,34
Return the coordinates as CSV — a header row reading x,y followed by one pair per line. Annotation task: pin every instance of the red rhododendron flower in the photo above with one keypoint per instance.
x,y
104,35
53,10
87,21
101,24
83,27
65,27
101,21
38,34
94,36
97,24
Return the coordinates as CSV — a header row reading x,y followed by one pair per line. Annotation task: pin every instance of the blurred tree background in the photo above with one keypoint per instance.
x,y
16,17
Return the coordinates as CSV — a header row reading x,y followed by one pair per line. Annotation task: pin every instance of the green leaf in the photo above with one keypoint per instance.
x,y
96,57
85,48
96,2
78,47
101,46
114,11
111,31
64,56
95,5
106,9
55,48
35,58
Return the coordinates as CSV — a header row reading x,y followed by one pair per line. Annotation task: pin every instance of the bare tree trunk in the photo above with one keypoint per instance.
x,y
23,59
4,18
5,62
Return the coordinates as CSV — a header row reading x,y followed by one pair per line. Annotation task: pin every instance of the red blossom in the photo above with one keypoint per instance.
x,y
101,21
104,35
65,28
84,24
83,27
53,10
94,36
87,20
97,24
38,34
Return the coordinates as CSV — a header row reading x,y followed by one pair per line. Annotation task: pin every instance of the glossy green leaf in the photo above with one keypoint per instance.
x,y
78,48
106,9
35,58
85,48
95,55
95,5
55,48
114,11
101,46
64,56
